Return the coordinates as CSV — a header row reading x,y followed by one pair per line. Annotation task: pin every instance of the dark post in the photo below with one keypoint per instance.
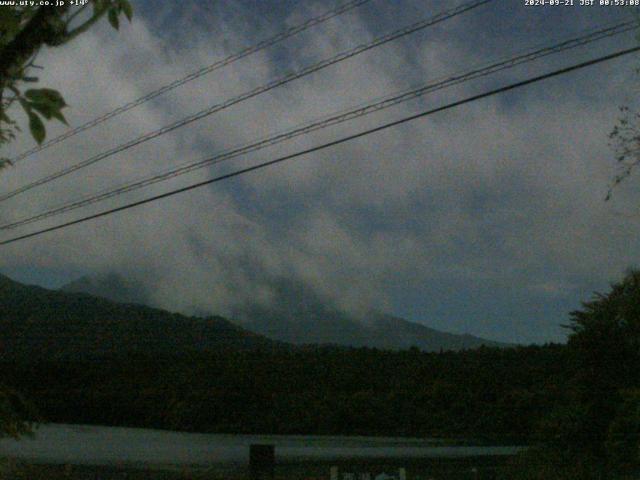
x,y
262,462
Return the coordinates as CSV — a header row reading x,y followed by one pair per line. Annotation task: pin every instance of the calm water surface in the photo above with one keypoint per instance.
x,y
95,445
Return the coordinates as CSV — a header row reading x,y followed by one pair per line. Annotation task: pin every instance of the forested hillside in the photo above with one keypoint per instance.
x,y
84,359
498,394
46,324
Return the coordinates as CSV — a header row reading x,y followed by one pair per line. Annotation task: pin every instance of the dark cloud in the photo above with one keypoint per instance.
x,y
488,219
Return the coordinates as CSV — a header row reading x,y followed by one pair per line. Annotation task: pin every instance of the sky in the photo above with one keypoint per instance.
x,y
486,219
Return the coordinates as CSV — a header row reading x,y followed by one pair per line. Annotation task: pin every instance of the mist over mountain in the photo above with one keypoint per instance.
x,y
111,286
296,314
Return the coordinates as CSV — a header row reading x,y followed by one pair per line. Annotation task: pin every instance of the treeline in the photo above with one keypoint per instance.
x,y
577,405
488,393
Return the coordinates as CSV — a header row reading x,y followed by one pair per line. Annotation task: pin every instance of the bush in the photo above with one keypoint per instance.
x,y
17,416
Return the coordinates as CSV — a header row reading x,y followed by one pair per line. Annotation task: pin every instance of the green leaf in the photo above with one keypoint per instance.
x,y
49,111
44,109
5,162
9,23
47,102
25,105
36,126
125,6
47,96
99,6
57,114
113,18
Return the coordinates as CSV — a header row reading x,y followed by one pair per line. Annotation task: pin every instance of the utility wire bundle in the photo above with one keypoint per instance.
x,y
245,52
337,118
379,41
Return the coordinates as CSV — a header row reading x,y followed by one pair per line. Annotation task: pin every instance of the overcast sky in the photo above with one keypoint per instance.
x,y
487,219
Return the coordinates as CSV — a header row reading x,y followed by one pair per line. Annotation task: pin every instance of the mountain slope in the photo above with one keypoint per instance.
x,y
311,321
297,315
39,323
400,333
118,288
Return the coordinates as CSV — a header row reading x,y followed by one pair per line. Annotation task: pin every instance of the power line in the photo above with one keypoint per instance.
x,y
253,93
387,102
348,138
245,52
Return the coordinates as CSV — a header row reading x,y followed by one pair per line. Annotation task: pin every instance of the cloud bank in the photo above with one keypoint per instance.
x,y
487,219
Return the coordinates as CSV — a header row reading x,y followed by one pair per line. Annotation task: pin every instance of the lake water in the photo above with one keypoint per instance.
x,y
96,445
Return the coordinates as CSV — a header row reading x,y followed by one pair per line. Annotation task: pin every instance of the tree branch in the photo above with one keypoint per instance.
x,y
85,26
41,29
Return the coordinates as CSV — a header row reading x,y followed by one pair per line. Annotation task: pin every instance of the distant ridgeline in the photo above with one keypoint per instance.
x,y
297,315
82,359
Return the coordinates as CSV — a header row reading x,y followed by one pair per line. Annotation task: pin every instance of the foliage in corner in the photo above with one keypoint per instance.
x,y
624,138
24,30
625,141
17,416
595,434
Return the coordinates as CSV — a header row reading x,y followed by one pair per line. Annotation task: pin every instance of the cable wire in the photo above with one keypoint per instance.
x,y
333,143
337,118
245,52
253,93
